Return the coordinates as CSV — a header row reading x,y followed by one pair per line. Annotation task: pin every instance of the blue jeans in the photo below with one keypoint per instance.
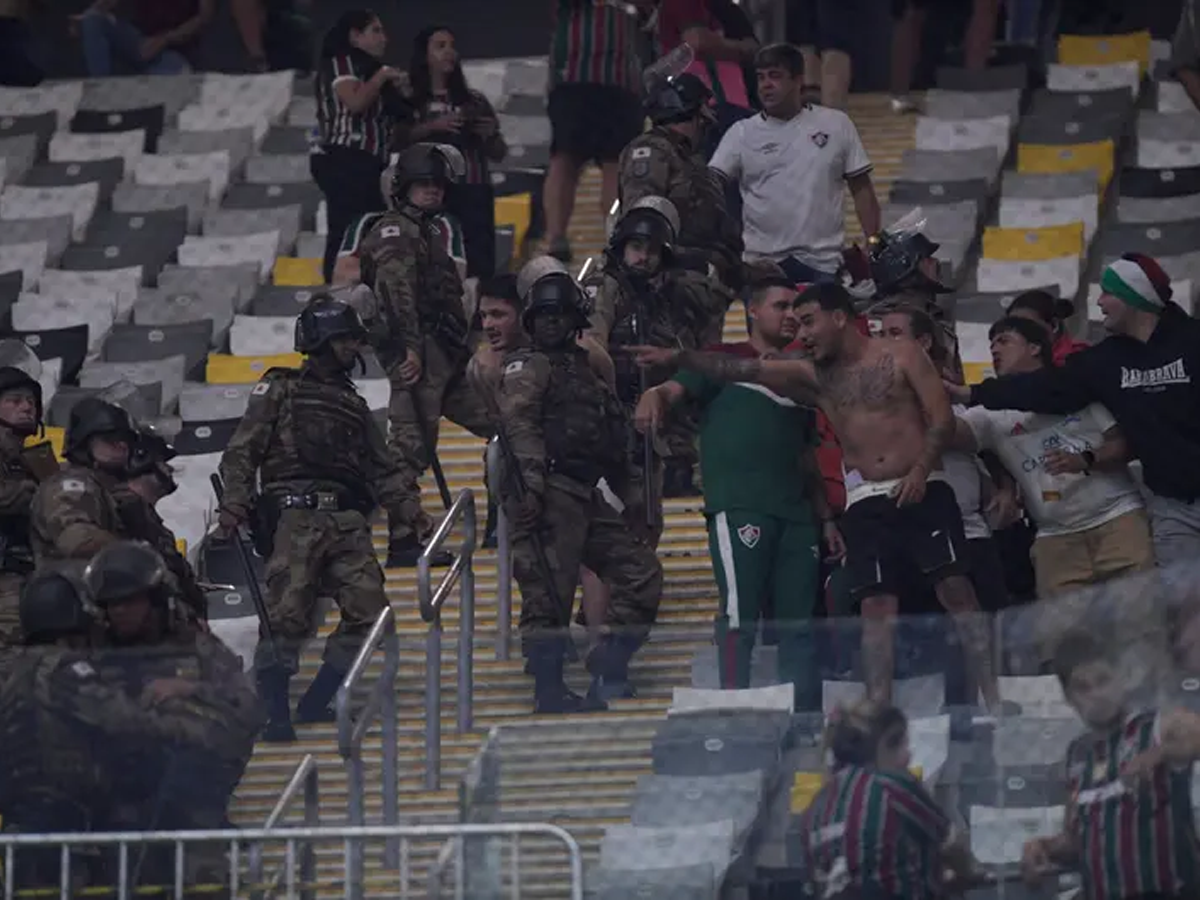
x,y
105,37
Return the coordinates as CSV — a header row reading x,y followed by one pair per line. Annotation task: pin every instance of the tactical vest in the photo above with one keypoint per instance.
x,y
584,427
704,222
16,552
439,302
662,326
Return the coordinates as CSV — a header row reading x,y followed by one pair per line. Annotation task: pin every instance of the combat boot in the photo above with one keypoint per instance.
x,y
404,552
609,665
273,691
551,696
316,704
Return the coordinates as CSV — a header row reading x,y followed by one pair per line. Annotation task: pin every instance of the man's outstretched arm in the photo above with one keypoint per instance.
x,y
794,378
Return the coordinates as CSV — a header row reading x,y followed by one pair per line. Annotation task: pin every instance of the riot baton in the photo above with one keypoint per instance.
x,y
643,337
430,449
252,585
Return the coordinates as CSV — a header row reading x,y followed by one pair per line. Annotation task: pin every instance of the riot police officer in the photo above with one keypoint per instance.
x,y
419,333
564,430
643,296
666,161
75,512
20,417
149,478
310,439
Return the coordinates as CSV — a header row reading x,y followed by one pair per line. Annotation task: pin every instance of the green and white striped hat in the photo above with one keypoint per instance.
x,y
1138,280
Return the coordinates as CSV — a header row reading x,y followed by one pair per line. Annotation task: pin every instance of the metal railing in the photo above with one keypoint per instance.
x,y
504,576
478,804
305,782
128,844
381,701
461,572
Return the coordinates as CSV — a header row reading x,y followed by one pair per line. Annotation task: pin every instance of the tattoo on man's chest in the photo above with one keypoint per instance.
x,y
865,385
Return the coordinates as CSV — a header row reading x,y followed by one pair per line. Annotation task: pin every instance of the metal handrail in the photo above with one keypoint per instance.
x,y
305,777
462,572
468,802
381,700
503,556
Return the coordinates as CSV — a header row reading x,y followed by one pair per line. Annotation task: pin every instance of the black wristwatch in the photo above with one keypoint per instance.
x,y
1089,460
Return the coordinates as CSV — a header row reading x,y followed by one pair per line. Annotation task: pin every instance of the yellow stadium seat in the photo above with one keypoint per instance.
x,y
975,372
1055,159
181,546
54,436
1033,244
225,369
293,271
1104,50
515,210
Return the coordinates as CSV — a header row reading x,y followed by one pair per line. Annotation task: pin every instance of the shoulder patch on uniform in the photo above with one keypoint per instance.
x,y
261,388
515,366
389,231
73,486
83,669
641,153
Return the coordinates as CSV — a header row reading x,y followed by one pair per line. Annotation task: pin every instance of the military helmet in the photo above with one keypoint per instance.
x,y
12,378
52,606
653,218
679,100
323,319
544,283
897,253
125,569
92,416
426,162
21,368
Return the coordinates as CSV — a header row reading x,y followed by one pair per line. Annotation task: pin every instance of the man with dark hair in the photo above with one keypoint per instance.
x,y
1053,312
891,414
793,163
1144,373
762,518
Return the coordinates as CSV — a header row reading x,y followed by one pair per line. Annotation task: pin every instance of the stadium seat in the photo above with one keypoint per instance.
x,y
1106,49
67,146
778,698
161,170
54,435
148,256
141,343
78,201
259,249
95,308
123,283
171,92
955,165
141,198
207,438
19,154
630,848
1036,186
198,117
168,372
237,142
964,134
1005,811
55,231
268,94
168,226
1172,98
106,174
239,222
41,125
148,119
1034,244
1056,130
1149,210
62,98
989,80
296,272
1136,182
1081,105
1051,159
664,801
943,104
286,140
515,210
1169,154
262,335
976,190
267,196
66,344
1001,277
290,169
276,300
922,696
1158,240
28,258
206,403
169,305
698,745
310,245
698,882
302,113
227,369
1094,78
376,391
987,308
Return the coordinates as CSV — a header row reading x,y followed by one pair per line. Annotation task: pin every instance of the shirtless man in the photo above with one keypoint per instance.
x,y
892,416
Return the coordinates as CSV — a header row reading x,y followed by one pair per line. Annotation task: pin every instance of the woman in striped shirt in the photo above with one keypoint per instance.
x,y
357,106
873,832
448,111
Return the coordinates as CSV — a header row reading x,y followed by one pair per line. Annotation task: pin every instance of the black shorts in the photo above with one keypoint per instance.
x,y
828,24
886,545
593,121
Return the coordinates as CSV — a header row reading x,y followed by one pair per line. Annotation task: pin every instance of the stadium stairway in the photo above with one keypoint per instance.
x,y
579,772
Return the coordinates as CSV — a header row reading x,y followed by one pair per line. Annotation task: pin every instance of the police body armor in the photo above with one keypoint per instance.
x,y
16,551
586,431
439,303
659,329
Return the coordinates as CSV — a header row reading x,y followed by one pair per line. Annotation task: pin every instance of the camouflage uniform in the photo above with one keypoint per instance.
x,y
75,515
17,487
567,430
420,308
312,436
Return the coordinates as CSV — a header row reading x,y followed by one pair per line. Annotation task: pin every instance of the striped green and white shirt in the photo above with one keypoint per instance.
x,y
593,42
445,224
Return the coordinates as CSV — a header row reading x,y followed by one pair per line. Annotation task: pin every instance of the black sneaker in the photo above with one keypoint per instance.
x,y
566,703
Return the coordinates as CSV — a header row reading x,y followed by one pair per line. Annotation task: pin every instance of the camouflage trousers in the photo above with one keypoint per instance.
x,y
442,391
321,554
10,611
577,530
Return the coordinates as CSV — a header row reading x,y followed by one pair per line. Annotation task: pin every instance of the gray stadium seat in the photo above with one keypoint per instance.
x,y
242,277
200,403
664,801
955,165
972,104
1024,741
1005,811
234,222
237,142
146,405
277,300
164,306
989,307
205,438
1052,130
142,343
105,172
1159,240
934,192
310,245
696,882
68,344
707,744
288,168
996,78
168,372
526,131
97,121
40,125
1148,210
167,226
1037,186
943,222
941,135
1156,126
262,335
171,92
268,196
54,230
29,258
628,848
1080,105
1136,182
1093,78
150,255
141,198
18,154
286,140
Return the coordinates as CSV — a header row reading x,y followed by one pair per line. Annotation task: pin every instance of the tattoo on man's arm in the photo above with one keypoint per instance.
x,y
720,366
